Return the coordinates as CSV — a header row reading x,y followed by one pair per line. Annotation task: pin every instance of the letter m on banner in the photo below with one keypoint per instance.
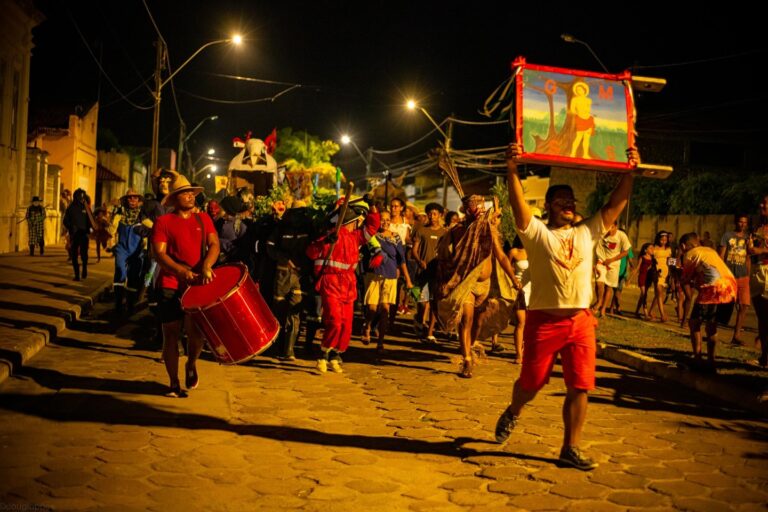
x,y
606,94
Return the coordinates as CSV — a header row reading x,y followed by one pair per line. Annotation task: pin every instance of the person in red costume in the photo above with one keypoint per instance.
x,y
335,256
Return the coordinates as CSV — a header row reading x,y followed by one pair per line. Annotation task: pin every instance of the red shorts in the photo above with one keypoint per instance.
x,y
572,337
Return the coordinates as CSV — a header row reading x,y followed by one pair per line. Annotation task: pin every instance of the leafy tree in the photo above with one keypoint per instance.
x,y
507,227
301,151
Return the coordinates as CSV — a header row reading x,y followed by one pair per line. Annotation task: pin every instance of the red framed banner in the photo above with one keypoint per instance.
x,y
573,118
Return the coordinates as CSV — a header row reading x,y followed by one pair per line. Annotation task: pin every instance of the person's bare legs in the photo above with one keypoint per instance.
x,y
711,330
383,324
600,297
741,314
695,326
574,415
607,298
465,337
171,336
520,397
519,329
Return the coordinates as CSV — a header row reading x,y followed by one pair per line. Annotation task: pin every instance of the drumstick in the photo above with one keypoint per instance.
x,y
344,207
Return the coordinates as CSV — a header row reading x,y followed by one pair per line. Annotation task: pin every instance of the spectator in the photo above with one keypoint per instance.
x,y
733,250
35,218
758,281
661,253
705,271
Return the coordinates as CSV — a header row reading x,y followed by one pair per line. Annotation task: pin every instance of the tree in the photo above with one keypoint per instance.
x,y
302,151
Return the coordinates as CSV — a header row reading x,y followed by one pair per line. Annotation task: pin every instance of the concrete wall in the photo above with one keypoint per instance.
x,y
645,228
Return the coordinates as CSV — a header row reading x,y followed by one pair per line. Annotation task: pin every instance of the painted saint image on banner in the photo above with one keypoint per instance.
x,y
574,117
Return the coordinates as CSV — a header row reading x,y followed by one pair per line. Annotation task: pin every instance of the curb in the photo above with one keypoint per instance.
x,y
708,385
20,344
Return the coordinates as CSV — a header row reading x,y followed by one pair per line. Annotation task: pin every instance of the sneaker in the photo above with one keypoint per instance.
x,y
505,425
286,358
336,366
572,456
322,365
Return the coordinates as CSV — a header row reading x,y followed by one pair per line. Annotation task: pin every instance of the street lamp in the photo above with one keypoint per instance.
x,y
212,167
208,154
568,38
412,105
160,83
183,139
346,139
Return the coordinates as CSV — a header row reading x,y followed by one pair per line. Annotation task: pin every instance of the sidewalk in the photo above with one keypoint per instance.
x,y
39,300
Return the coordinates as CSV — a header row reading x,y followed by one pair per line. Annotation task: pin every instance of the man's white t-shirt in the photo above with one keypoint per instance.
x,y
561,263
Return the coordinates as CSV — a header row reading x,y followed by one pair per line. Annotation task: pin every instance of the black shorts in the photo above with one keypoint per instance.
x,y
719,313
169,305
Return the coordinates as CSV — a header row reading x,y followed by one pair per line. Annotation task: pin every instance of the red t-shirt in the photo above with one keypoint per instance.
x,y
183,239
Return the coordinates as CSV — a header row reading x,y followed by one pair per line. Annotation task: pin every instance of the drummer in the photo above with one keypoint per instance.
x,y
186,247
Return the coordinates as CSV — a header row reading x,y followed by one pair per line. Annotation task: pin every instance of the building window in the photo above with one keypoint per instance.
x,y
15,108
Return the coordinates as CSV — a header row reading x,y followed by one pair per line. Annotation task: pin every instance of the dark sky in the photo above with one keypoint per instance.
x,y
358,61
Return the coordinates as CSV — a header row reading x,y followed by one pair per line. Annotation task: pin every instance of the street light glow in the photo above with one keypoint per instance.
x,y
213,168
237,39
207,176
411,105
211,151
345,139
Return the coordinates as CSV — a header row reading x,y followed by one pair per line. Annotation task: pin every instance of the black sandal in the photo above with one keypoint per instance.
x,y
176,392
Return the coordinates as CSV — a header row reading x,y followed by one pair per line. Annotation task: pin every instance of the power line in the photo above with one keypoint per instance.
x,y
398,150
240,102
700,61
103,72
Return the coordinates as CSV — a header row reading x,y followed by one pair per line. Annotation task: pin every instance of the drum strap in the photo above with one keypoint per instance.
x,y
202,243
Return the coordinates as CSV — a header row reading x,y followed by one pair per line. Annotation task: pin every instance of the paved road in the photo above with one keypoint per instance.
x,y
84,427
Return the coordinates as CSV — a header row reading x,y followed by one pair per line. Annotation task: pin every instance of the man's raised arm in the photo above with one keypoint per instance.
x,y
520,208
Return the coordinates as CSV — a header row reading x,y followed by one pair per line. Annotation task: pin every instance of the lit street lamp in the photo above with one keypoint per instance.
x,y
183,140
208,154
346,139
160,83
212,167
412,105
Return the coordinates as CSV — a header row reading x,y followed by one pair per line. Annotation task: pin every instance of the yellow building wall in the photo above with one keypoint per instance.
x,y
74,150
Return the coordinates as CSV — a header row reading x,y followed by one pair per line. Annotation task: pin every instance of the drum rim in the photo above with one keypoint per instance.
x,y
235,289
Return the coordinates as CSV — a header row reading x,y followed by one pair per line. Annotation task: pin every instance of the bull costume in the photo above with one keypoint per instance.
x,y
287,246
35,218
335,256
477,285
132,227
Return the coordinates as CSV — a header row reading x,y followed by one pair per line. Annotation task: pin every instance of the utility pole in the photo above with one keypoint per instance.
x,y
156,122
180,152
448,137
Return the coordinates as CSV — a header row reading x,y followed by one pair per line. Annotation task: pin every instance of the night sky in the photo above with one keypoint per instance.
x,y
357,62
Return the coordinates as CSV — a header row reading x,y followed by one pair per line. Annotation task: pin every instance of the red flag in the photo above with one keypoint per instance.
x,y
271,141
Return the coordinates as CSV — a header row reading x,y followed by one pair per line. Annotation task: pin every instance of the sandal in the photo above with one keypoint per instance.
x,y
498,347
176,392
466,369
191,379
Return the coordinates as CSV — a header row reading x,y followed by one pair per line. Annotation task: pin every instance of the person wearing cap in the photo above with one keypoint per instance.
x,y
186,247
335,256
128,223
35,218
559,320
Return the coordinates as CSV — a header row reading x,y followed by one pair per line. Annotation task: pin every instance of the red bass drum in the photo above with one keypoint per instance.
x,y
231,314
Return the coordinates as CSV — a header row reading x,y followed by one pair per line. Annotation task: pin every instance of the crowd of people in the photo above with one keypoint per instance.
x,y
552,281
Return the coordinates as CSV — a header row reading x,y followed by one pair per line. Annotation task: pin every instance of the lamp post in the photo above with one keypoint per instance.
x,y
212,167
346,139
568,38
183,138
160,83
412,105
